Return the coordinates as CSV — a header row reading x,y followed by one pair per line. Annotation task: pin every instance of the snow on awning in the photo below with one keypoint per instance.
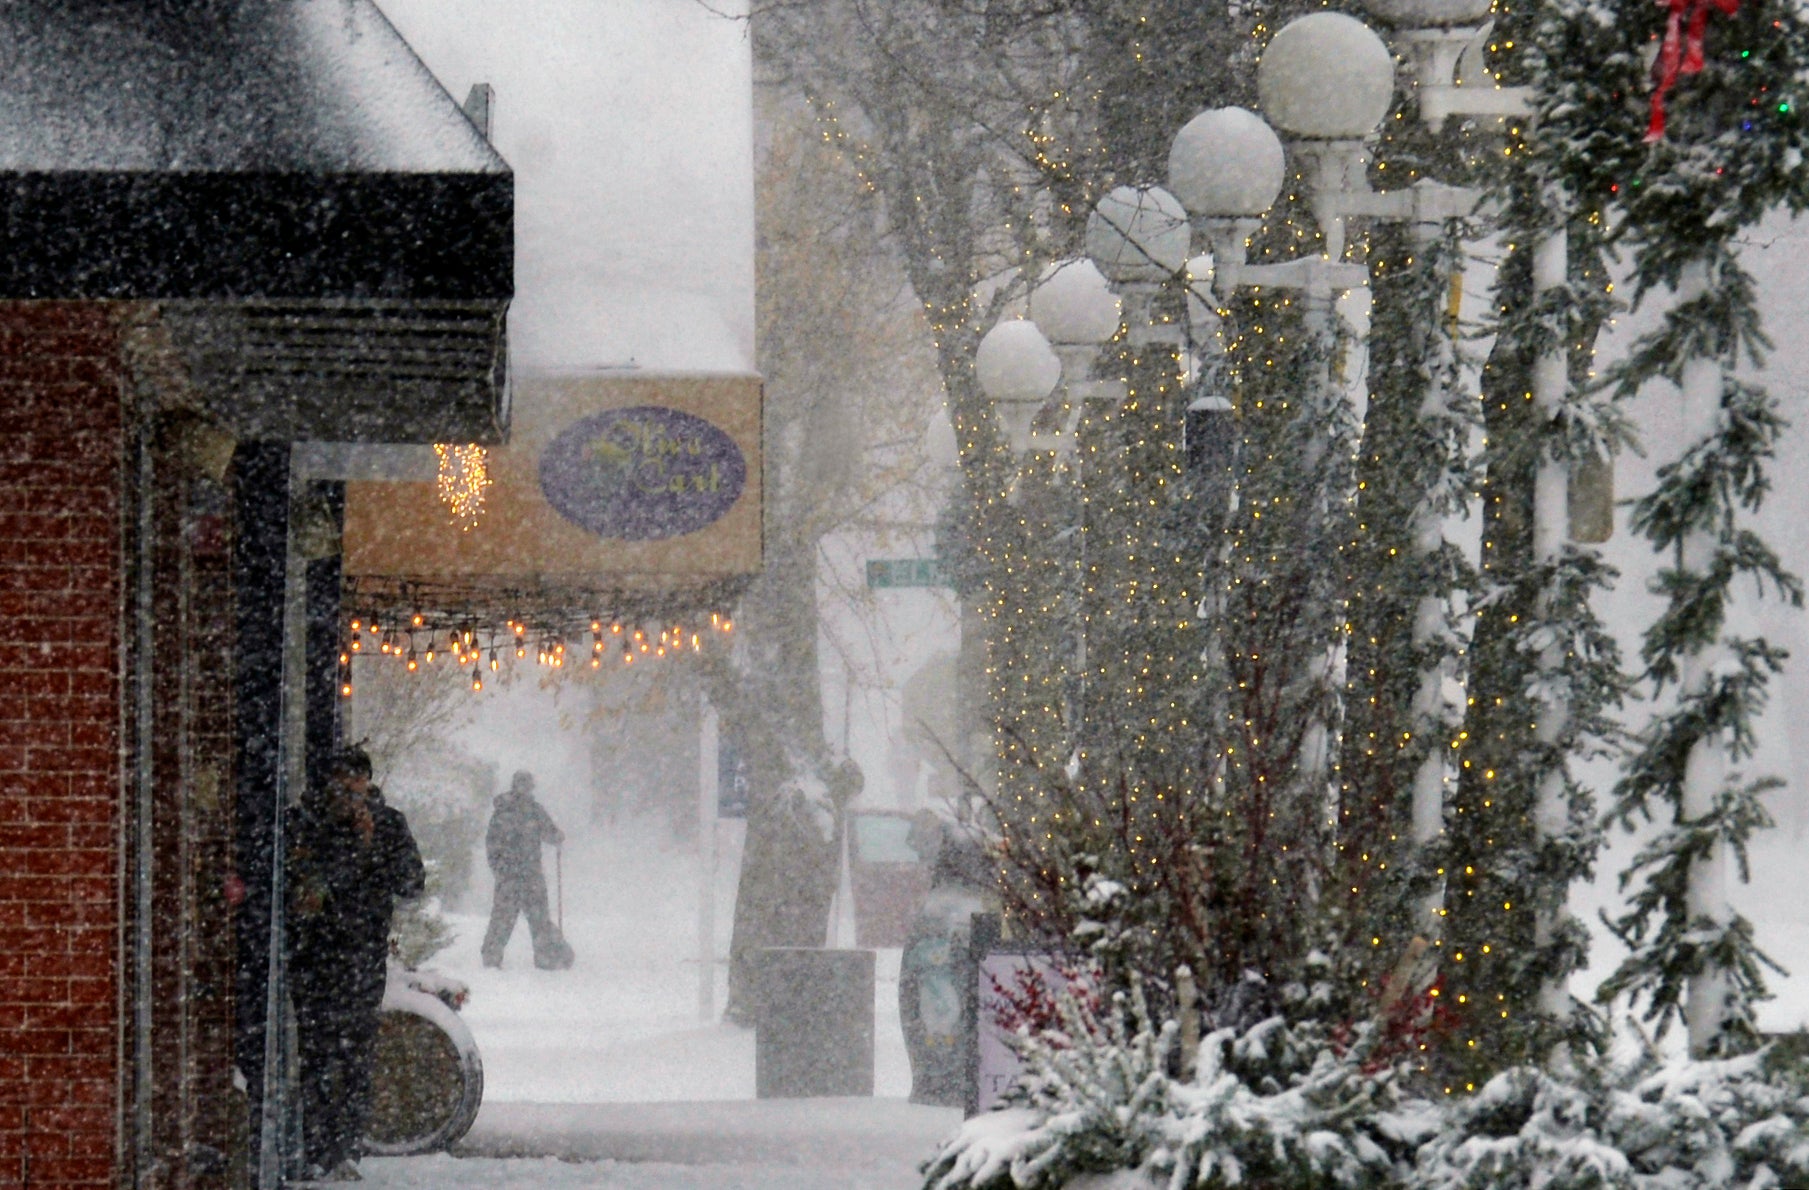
x,y
329,237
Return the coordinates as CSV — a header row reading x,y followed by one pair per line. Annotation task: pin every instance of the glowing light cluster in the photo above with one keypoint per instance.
x,y
464,478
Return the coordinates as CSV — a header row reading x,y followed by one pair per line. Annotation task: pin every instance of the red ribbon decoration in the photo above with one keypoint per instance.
x,y
1681,52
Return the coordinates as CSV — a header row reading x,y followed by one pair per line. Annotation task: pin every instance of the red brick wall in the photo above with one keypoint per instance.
x,y
62,447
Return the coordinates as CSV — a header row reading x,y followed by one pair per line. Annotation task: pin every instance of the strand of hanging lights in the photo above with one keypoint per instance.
x,y
419,640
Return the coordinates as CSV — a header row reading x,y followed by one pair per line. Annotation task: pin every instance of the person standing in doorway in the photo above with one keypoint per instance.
x,y
518,827
351,857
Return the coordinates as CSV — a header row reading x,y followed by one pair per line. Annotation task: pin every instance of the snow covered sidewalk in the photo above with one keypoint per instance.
x,y
798,1144
546,1173
794,1144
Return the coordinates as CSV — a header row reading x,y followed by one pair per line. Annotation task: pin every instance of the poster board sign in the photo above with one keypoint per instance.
x,y
606,481
1009,982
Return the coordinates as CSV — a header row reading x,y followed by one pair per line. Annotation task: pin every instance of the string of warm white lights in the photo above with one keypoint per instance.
x,y
463,480
421,639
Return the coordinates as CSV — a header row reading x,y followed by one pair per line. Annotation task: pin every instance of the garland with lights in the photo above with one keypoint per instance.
x,y
1732,152
1413,857
427,624
1408,639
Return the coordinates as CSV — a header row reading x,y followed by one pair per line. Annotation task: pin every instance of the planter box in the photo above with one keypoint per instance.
x,y
814,1032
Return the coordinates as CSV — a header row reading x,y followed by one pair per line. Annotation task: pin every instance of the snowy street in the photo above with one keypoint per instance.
x,y
604,1075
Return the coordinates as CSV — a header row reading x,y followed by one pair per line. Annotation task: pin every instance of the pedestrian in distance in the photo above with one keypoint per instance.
x,y
519,826
351,857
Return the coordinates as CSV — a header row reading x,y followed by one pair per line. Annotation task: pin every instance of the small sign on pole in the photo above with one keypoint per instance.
x,y
888,573
731,781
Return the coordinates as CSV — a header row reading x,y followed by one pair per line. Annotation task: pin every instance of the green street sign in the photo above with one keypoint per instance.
x,y
887,573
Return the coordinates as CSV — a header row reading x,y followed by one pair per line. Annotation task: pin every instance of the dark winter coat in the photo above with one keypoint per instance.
x,y
343,890
512,844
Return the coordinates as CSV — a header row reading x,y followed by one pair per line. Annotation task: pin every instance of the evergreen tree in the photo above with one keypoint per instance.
x,y
1406,633
1544,673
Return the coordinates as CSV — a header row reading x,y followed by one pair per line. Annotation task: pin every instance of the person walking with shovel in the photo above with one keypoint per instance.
x,y
519,826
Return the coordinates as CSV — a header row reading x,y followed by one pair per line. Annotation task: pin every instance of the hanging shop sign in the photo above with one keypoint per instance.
x,y
606,481
645,473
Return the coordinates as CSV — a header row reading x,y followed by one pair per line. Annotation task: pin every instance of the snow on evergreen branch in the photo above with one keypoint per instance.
x,y
1717,476
1627,1120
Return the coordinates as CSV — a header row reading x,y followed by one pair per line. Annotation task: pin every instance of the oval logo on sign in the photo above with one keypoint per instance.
x,y
642,474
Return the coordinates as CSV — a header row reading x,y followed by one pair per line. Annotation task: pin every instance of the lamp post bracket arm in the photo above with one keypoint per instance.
x,y
1472,99
1301,273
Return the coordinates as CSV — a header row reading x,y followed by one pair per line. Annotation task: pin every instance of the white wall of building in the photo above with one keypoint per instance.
x,y
629,126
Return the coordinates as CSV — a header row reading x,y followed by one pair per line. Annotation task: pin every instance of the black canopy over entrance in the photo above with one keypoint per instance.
x,y
329,240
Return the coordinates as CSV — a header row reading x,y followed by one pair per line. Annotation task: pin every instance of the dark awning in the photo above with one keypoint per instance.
x,y
329,238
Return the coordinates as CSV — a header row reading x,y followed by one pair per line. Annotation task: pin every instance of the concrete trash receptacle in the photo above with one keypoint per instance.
x,y
814,1033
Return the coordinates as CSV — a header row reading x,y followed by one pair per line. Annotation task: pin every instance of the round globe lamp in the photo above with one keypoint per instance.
x,y
1326,76
1073,303
1226,163
1018,370
1138,234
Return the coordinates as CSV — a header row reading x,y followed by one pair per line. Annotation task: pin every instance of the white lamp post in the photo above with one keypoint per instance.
x,y
1436,36
1075,308
1327,81
1227,166
1436,33
1139,237
1018,370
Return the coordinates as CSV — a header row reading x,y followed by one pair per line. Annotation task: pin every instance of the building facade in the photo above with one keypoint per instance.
x,y
226,227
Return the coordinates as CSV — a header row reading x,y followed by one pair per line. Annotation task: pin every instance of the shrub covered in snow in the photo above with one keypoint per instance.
x,y
1283,1106
1631,1120
1278,1105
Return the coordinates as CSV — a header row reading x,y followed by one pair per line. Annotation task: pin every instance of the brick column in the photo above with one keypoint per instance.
x,y
62,450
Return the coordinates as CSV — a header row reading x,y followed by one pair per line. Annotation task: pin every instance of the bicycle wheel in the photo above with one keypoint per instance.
x,y
427,1079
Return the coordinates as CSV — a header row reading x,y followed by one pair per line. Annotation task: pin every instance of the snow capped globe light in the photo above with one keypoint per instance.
x,y
1139,233
1074,303
1014,362
1326,76
1226,162
1018,369
1428,14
